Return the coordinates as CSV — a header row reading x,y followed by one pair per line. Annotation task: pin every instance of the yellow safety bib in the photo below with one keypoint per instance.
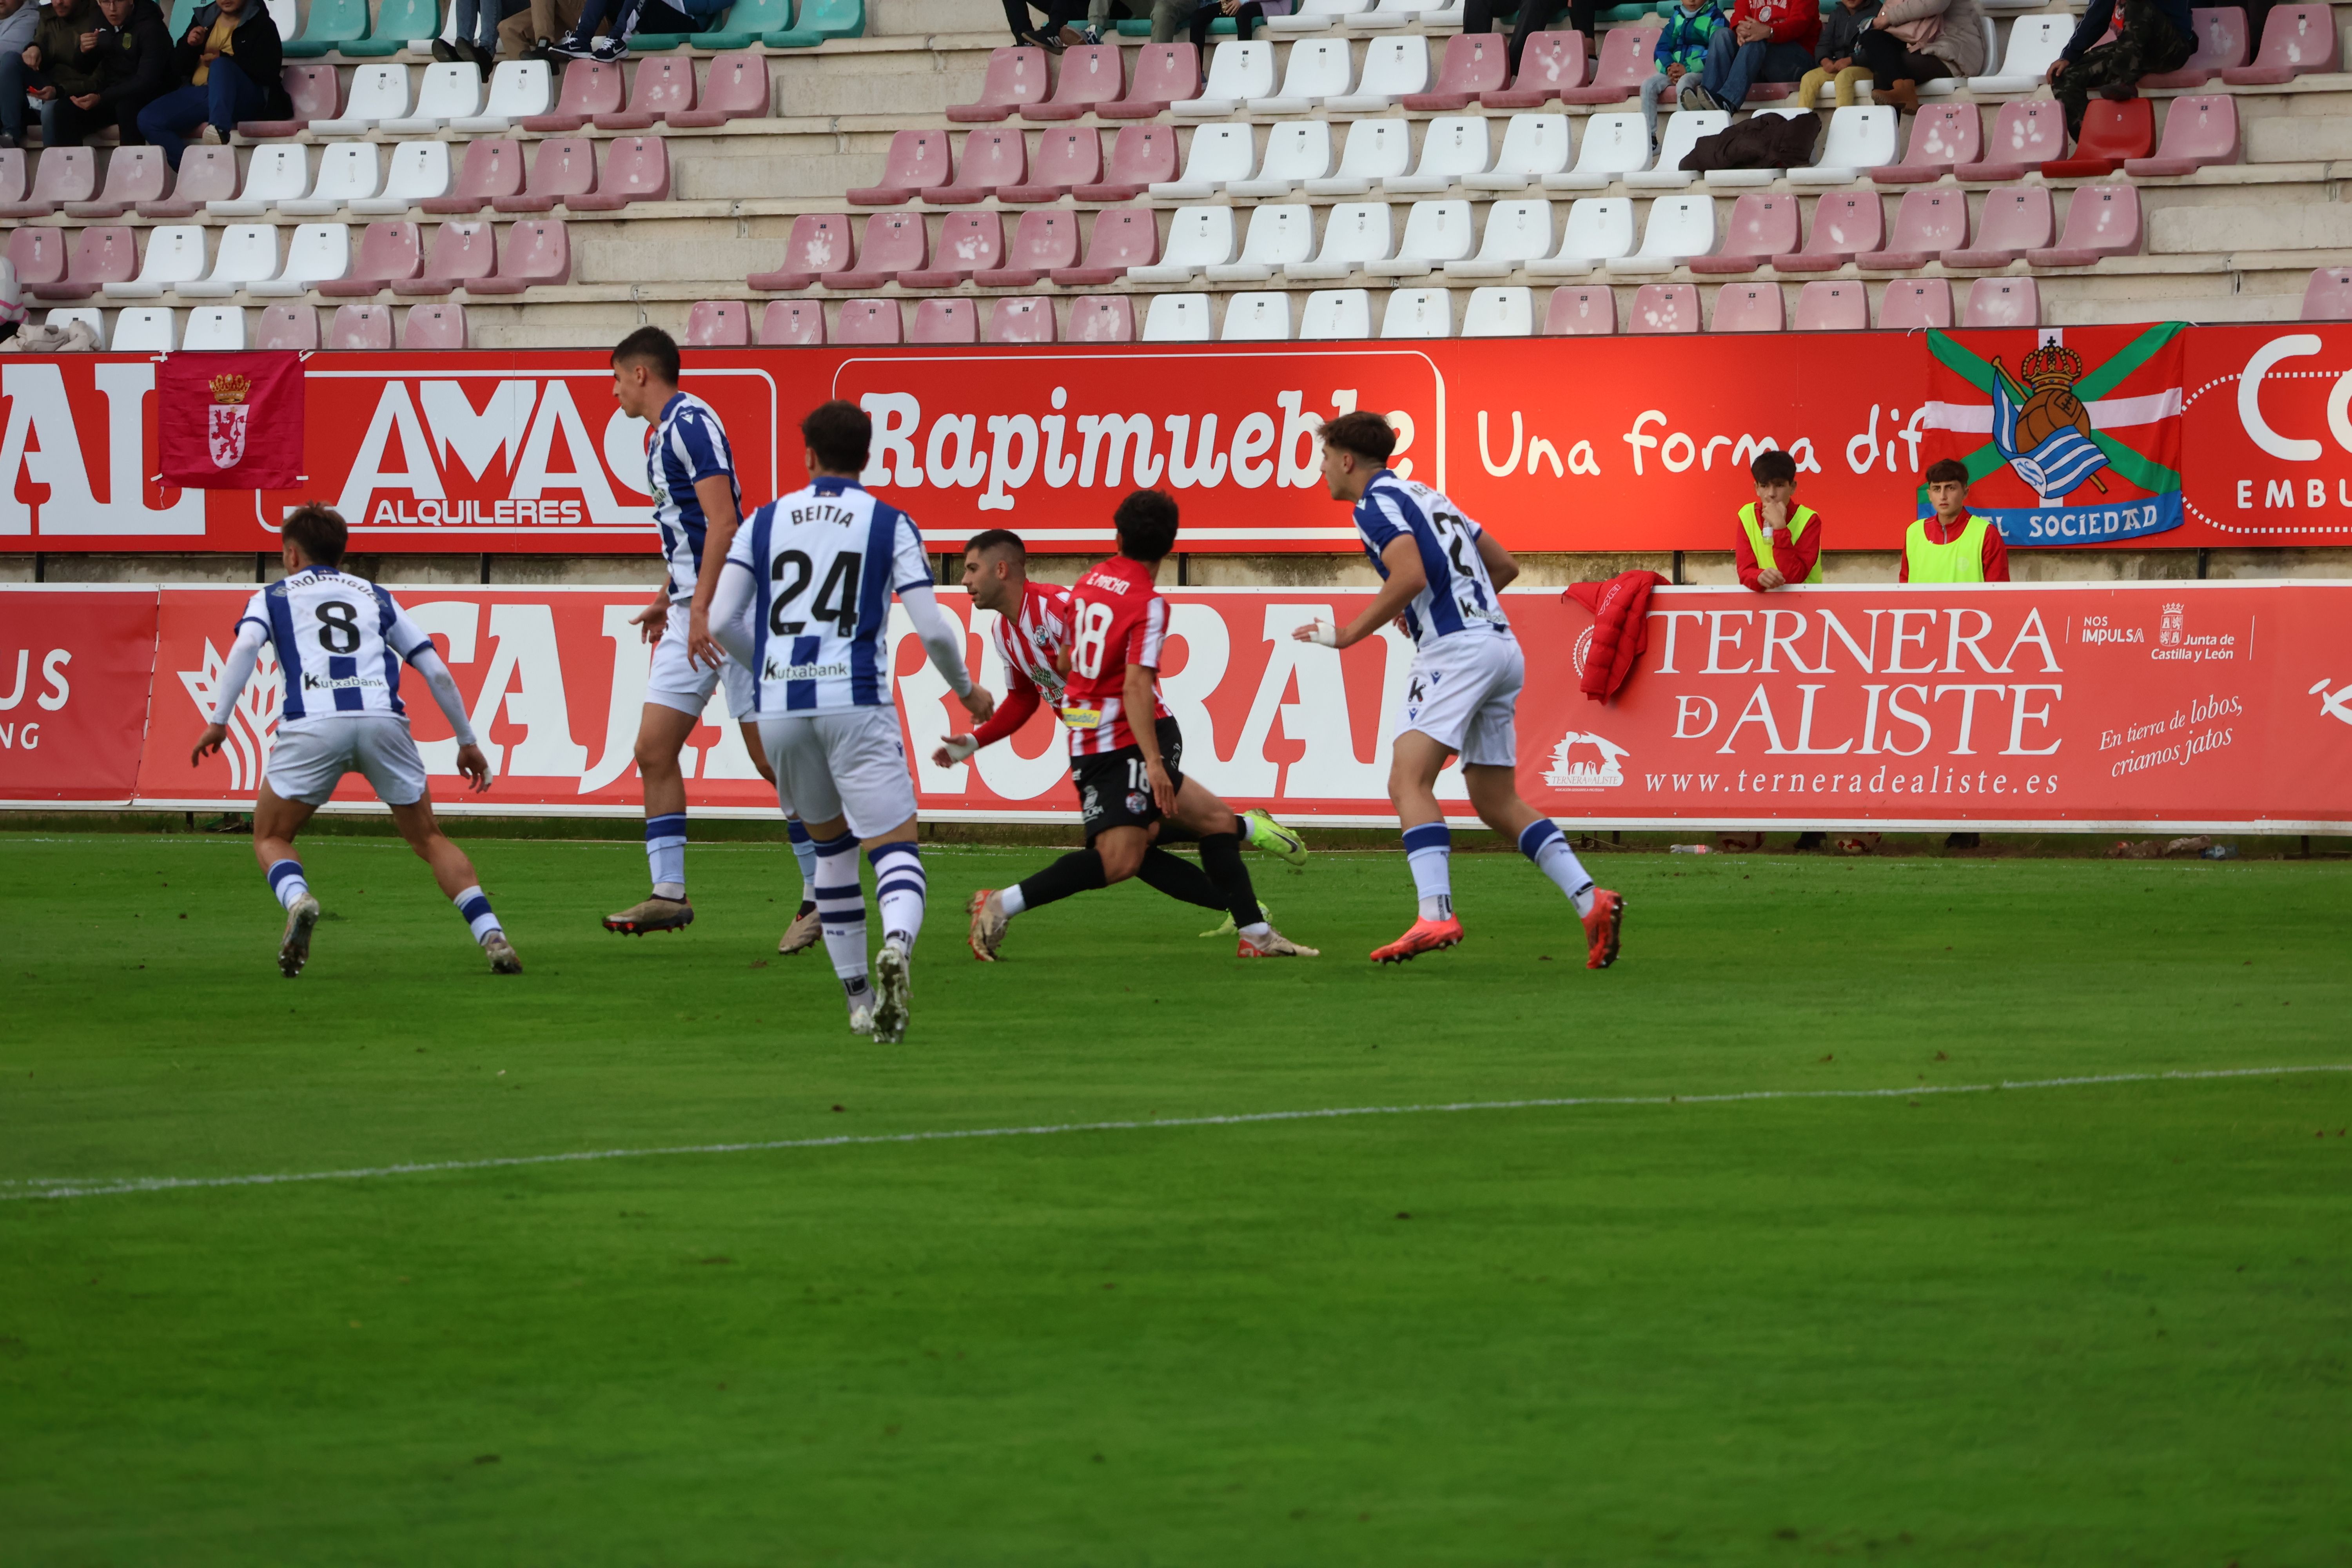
x,y
1799,520
1961,561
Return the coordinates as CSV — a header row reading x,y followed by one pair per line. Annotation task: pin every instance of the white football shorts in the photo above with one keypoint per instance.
x,y
677,681
310,757
850,764
1463,693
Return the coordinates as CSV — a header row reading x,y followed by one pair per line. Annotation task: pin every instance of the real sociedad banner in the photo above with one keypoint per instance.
x,y
2162,436
2166,705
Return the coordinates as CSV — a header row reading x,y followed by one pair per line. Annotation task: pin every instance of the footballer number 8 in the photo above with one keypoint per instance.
x,y
339,633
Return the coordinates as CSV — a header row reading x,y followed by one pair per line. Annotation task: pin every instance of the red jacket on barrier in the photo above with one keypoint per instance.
x,y
1621,628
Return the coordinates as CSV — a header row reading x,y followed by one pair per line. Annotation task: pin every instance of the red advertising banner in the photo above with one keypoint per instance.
x,y
2160,436
76,665
2190,705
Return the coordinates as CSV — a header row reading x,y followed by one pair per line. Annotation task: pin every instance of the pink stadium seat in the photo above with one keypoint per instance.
x,y
2016,219
1475,63
1102,319
793,323
433,327
636,169
737,89
564,166
1665,308
2111,133
967,243
2003,302
1016,75
1065,160
361,328
819,244
1580,313
591,88
1141,156
1165,74
718,324
1044,241
1761,227
2221,43
389,252
2026,133
1091,75
2197,131
38,254
1909,307
206,175
315,96
1625,65
2297,40
945,322
917,159
538,255
64,174
662,85
1021,321
991,160
1942,135
1549,64
100,255
868,322
1929,223
1845,229
12,174
461,253
1122,237
1746,308
2328,296
1828,307
895,243
492,168
133,175
285,326
2102,220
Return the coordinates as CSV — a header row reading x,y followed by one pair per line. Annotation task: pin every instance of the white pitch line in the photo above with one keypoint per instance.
x,y
80,1187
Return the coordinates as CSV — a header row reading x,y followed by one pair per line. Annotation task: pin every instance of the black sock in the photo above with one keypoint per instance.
x,y
1220,857
1179,879
1080,871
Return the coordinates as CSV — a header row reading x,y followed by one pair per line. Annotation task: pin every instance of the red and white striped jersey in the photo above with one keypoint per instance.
x,y
1028,640
1117,618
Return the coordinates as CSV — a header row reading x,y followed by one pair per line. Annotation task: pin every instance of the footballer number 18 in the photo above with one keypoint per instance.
x,y
1087,637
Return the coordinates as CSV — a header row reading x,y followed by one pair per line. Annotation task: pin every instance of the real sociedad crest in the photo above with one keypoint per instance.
x,y
2046,439
224,421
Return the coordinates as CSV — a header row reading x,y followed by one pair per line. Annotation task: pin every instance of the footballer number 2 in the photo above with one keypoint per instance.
x,y
1088,638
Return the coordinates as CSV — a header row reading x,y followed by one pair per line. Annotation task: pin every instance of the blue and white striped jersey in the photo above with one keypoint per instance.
x,y
688,444
340,640
1460,597
827,560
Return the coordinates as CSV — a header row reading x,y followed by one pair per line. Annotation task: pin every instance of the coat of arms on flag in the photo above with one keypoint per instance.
x,y
230,421
224,421
2085,431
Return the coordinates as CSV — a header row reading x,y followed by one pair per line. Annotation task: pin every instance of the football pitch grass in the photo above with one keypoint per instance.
x,y
2095,1323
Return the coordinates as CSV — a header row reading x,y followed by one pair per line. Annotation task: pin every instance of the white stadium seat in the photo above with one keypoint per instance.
x,y
1680,227
1177,318
318,253
1278,234
1499,314
378,93
348,171
1315,16
1517,233
175,254
1296,153
1534,146
1397,13
1319,68
1198,239
451,92
519,88
145,330
1452,146
1257,317
90,316
1614,145
2035,45
1434,233
1418,313
215,328
247,254
1683,132
1355,233
1858,140
1375,149
277,174
1392,67
1220,154
1238,72
420,170
1598,228
1338,313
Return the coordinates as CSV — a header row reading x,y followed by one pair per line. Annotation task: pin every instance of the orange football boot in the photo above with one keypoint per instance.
x,y
1426,936
1601,928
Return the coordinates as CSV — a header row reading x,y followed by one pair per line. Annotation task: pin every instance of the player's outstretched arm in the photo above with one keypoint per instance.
x,y
654,616
235,674
943,642
1402,558
472,765
730,610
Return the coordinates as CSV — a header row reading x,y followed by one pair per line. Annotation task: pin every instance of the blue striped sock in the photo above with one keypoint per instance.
x,y
285,881
1429,850
665,854
1547,846
475,906
841,906
899,888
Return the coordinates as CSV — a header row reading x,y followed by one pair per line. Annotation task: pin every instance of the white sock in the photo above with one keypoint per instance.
x,y
1429,850
285,881
1010,900
1544,843
476,907
1256,930
899,888
804,851
841,905
665,854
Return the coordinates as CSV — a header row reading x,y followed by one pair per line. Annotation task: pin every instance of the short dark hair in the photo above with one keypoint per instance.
x,y
1364,433
317,532
650,346
1948,471
1773,467
840,433
996,539
1146,522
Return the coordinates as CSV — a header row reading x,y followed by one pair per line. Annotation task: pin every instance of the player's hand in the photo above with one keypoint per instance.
x,y
1322,634
701,647
980,704
654,617
953,749
475,767
1769,578
1163,791
211,741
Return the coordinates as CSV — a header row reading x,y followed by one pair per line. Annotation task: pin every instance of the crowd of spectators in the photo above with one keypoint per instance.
x,y
89,65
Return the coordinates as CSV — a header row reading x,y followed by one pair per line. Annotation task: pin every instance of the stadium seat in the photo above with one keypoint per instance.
x,y
869,321
2297,40
1943,135
2112,133
377,93
1845,229
492,171
1354,234
1452,147
1376,149
1752,308
433,327
1859,139
1825,308
718,324
661,88
1319,68
1599,229
175,254
793,323
318,253
360,328
559,167
636,169
1123,239
396,22
1624,65
1580,313
818,20
1336,314
274,174
2327,297
1065,160
206,174
247,254
64,174
313,94
894,243
2016,219
819,243
967,243
1434,233
1256,317
1279,234
1680,229
917,159
133,175
1238,72
1044,241
1296,153
2221,43
1197,239
1165,74
1021,321
1141,156
2101,220
330,25
1016,75
1418,313
739,28
12,175
1102,319
1177,318
1394,70
736,88
149,329
1732,179
1534,146
1314,16
215,329
1550,64
460,253
292,326
1614,145
1091,75
1945,86
1475,63
2002,302
1681,134
1761,227
591,88
348,171
519,90
538,255
1515,234
90,316
1664,308
1910,306
1927,224
1219,155
100,256
991,160
1403,13
2197,131
449,93
1499,314
2034,43
419,174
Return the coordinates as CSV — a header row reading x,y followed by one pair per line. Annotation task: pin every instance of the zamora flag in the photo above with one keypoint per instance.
x,y
230,421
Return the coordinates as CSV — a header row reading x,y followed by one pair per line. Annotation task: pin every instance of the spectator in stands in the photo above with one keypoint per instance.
x,y
1680,53
52,62
478,34
231,59
2156,36
1769,40
1912,41
531,29
1779,542
1952,546
1100,17
1246,14
675,16
18,20
1840,30
617,18
1478,16
131,59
